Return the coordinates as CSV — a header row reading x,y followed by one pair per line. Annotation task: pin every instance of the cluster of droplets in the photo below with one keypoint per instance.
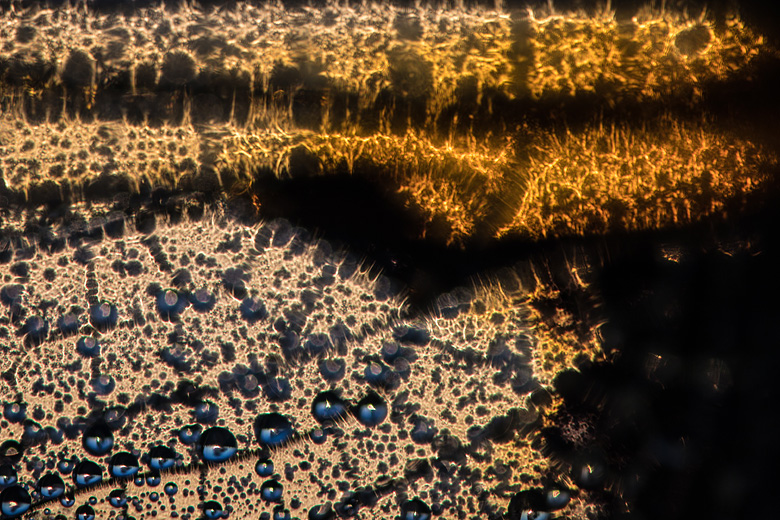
x,y
206,367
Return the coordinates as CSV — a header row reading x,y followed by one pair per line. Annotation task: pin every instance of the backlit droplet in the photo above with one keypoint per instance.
x,y
273,429
217,444
14,501
271,491
371,410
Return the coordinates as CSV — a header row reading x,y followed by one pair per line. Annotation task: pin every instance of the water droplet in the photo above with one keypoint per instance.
x,y
170,304
371,410
332,369
14,501
123,465
85,512
203,300
161,458
68,324
15,412
322,512
153,479
117,498
51,486
190,434
271,491
171,489
280,513
104,316
264,467
87,473
423,430
88,346
273,429
35,330
67,501
98,440
103,384
415,509
8,476
212,510
217,444
328,406
12,451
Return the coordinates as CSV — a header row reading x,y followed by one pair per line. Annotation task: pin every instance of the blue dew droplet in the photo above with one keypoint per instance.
x,y
415,509
117,498
328,407
68,324
277,389
14,501
85,512
556,498
50,485
170,303
161,458
8,476
15,412
332,369
67,501
206,412
322,512
212,510
154,496
35,330
65,466
123,465
253,310
88,346
171,489
273,429
190,434
153,479
371,410
104,316
98,440
103,384
87,473
217,444
202,300
271,491
264,467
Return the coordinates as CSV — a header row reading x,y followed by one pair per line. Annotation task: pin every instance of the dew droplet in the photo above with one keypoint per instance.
x,y
123,465
161,458
371,410
273,429
217,444
14,501
328,406
264,467
271,491
51,486
98,440
87,473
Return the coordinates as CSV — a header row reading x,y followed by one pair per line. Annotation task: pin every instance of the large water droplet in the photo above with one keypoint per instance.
x,y
98,440
14,501
217,444
51,486
328,407
161,458
123,465
273,429
415,509
271,491
87,473
371,410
